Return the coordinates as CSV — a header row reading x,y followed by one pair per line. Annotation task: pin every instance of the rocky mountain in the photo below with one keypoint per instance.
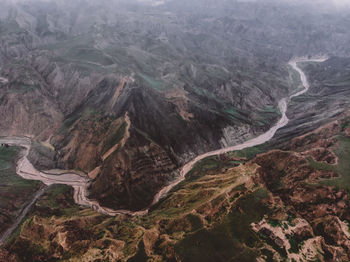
x,y
326,99
127,92
88,73
189,82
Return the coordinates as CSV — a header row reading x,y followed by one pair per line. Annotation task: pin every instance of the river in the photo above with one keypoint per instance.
x,y
80,183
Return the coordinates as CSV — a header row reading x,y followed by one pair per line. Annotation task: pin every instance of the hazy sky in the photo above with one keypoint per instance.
x,y
152,2
342,2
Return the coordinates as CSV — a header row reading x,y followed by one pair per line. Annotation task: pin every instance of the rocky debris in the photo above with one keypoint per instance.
x,y
233,135
123,140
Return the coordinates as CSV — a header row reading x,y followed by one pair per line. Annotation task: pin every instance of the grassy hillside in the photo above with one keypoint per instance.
x,y
15,192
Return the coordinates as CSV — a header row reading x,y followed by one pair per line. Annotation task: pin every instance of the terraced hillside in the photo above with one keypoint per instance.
x,y
288,204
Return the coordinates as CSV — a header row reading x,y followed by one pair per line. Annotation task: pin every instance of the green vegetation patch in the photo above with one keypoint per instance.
x,y
214,165
295,244
295,78
250,152
345,124
236,114
203,167
267,116
151,82
141,255
10,26
15,192
231,239
271,109
343,166
196,222
91,55
68,122
58,201
9,181
321,165
22,89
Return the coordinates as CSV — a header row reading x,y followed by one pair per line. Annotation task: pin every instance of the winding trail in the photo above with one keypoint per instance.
x,y
80,184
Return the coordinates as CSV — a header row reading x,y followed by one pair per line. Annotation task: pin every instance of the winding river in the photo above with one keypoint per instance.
x,y
282,105
80,183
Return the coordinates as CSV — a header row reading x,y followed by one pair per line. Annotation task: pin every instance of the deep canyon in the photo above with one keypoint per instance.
x,y
174,130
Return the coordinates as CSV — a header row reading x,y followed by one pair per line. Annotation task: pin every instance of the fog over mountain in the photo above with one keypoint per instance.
x,y
174,130
341,3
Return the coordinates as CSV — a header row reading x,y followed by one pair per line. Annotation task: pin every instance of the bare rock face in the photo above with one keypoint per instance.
x,y
42,156
29,113
233,135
